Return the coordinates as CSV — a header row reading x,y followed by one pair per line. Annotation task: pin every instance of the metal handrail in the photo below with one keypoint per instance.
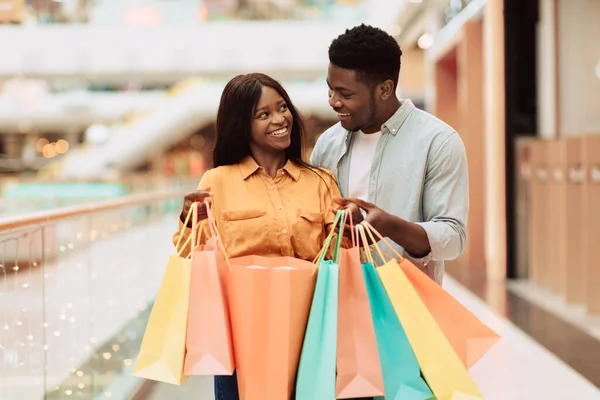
x,y
44,217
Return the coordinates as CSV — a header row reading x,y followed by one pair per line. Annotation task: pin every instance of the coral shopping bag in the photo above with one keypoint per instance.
x,y
208,342
401,372
470,338
162,351
358,365
316,372
442,368
269,301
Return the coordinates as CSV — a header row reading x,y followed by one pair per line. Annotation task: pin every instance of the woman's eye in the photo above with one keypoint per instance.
x,y
284,107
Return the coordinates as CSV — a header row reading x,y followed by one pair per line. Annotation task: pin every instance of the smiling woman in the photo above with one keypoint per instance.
x,y
265,200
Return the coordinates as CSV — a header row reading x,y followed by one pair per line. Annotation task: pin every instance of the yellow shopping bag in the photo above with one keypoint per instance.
x,y
442,368
162,353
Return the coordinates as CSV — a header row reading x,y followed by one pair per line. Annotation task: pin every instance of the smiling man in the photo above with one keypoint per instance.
x,y
405,169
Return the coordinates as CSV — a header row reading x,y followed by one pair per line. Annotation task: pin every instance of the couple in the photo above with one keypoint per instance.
x,y
408,165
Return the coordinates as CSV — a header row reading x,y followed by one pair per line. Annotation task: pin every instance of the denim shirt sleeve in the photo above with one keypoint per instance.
x,y
445,201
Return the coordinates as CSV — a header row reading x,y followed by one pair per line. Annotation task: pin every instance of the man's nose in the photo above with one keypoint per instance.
x,y
334,102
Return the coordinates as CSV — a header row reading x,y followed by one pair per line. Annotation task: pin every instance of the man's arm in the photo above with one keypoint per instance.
x,y
446,199
445,208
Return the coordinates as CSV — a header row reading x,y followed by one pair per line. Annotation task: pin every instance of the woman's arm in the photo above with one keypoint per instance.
x,y
183,244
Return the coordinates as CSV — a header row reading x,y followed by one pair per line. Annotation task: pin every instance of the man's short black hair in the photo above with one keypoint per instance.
x,y
371,52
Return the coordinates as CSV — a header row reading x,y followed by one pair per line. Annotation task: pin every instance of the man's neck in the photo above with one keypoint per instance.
x,y
389,110
386,113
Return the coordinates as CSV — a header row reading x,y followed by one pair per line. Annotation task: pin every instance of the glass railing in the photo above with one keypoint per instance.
x,y
20,196
76,287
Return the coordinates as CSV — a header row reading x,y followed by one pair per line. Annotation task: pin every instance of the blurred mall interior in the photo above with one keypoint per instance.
x,y
107,116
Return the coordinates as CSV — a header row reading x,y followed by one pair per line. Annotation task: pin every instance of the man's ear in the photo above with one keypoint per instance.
x,y
387,89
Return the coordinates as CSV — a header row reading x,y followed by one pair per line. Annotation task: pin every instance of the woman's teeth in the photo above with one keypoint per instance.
x,y
343,115
279,132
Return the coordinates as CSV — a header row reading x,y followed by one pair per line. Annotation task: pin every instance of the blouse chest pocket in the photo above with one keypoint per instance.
x,y
308,234
244,230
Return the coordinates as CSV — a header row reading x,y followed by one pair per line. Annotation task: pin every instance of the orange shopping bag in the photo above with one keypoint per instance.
x,y
470,338
208,341
270,300
358,365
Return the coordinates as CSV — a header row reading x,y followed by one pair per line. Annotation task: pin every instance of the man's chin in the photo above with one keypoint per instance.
x,y
347,125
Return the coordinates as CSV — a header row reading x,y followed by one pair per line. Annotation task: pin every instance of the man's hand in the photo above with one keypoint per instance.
x,y
410,236
375,215
195,197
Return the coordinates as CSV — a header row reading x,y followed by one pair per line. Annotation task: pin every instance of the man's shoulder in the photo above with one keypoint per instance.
x,y
333,134
431,128
328,145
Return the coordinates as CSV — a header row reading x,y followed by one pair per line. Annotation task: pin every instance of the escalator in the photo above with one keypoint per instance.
x,y
192,105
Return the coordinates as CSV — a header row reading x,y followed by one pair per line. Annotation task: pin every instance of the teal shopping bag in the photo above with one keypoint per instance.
x,y
317,368
401,373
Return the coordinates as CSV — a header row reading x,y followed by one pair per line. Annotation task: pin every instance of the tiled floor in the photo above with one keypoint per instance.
x,y
517,368
542,318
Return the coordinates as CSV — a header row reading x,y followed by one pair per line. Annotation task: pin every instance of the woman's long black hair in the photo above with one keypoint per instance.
x,y
238,101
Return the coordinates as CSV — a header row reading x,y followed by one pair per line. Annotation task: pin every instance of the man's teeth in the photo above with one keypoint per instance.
x,y
279,132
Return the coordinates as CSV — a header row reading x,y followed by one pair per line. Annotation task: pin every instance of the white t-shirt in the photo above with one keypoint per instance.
x,y
361,159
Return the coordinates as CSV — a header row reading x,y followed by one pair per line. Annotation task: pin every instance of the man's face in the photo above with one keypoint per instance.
x,y
352,100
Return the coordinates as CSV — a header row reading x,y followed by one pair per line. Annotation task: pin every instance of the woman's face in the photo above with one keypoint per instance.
x,y
271,122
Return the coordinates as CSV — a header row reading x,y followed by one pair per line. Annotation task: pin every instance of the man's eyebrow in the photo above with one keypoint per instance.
x,y
341,88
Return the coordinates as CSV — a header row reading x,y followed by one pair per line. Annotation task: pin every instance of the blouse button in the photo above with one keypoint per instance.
x,y
284,231
280,208
272,187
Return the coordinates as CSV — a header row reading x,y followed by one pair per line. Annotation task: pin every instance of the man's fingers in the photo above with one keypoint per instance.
x,y
365,205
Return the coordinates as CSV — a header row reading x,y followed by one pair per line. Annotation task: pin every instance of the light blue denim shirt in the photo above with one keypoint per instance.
x,y
419,173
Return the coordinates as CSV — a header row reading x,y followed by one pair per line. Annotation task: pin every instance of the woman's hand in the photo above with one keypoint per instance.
x,y
195,197
353,209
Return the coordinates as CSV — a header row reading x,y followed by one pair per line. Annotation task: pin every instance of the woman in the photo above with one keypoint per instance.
x,y
265,199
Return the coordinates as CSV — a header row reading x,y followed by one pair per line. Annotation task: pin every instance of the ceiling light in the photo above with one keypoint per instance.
x,y
425,41
394,30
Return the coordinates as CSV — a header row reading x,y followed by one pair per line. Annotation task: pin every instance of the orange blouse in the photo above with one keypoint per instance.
x,y
256,214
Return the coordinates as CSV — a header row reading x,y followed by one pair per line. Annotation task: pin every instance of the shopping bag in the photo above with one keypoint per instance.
x,y
162,352
269,300
317,369
470,338
208,341
358,362
401,372
442,368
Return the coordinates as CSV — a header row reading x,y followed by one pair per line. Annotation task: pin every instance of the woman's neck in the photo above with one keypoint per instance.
x,y
271,162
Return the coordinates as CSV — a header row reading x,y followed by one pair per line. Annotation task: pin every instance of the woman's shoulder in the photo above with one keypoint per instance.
x,y
319,174
219,174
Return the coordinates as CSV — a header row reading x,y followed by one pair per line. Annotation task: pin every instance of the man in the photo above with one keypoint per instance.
x,y
405,169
